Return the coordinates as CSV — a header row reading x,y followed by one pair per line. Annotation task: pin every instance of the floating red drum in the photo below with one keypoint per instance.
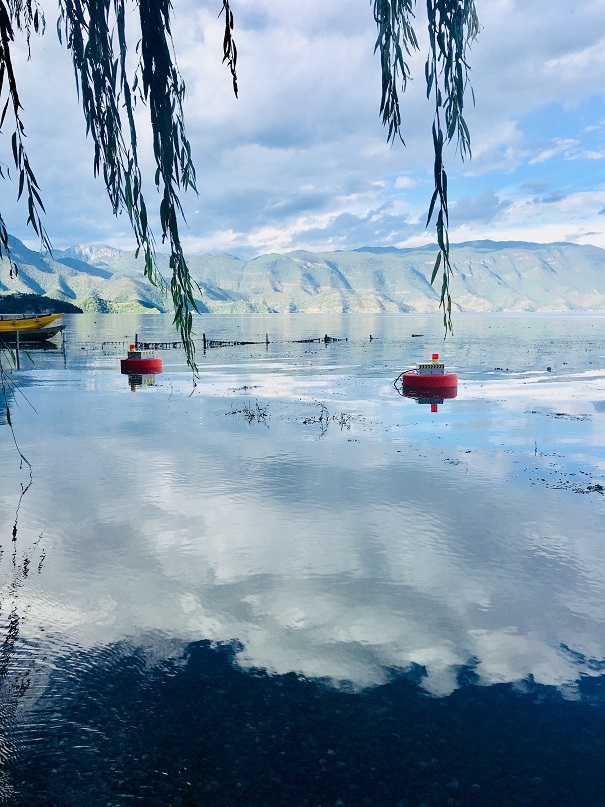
x,y
429,380
416,384
140,362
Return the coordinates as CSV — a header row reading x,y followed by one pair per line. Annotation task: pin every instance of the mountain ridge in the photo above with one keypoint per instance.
x,y
487,276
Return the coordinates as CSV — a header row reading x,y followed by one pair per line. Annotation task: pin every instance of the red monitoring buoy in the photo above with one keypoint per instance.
x,y
140,362
428,383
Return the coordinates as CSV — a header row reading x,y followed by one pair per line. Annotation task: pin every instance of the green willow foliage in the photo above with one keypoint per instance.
x,y
24,17
105,88
94,32
452,27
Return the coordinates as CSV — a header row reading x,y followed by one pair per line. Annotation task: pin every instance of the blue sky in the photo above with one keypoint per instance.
x,y
300,160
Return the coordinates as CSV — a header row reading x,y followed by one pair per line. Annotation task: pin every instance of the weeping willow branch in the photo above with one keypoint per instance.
x,y
452,27
15,14
395,34
6,386
104,88
229,48
94,32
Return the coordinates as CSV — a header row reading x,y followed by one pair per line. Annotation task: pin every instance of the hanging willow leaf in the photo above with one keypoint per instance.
x,y
436,267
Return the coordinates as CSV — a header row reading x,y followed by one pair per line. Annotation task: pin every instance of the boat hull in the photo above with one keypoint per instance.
x,y
21,322
30,336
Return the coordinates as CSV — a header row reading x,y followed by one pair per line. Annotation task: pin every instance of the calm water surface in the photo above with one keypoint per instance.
x,y
285,584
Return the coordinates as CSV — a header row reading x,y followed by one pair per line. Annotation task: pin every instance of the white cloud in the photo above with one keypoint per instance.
x,y
405,182
558,146
588,155
575,217
591,58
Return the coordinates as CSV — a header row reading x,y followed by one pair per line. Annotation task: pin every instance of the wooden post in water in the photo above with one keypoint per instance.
x,y
17,351
204,338
266,338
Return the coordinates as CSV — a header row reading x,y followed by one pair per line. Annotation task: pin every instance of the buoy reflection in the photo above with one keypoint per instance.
x,y
432,401
137,380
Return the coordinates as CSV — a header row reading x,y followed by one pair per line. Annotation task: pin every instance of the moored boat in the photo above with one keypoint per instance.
x,y
11,323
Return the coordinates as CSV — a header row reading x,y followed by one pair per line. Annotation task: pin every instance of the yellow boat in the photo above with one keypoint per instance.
x,y
10,323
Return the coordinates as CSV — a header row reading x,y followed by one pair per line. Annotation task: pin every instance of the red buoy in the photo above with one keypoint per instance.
x,y
428,380
141,366
140,362
415,382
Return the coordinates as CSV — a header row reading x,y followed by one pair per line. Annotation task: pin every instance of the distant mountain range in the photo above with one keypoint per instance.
x,y
488,276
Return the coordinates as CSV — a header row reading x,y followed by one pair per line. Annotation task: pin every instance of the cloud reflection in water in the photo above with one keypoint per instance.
x,y
343,556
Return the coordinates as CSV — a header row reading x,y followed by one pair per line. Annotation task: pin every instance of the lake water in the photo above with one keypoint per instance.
x,y
286,584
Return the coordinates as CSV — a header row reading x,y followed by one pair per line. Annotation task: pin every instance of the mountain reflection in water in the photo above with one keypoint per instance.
x,y
288,585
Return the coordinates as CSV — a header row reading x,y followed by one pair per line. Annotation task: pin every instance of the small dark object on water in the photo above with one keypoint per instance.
x,y
417,334
548,369
158,345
